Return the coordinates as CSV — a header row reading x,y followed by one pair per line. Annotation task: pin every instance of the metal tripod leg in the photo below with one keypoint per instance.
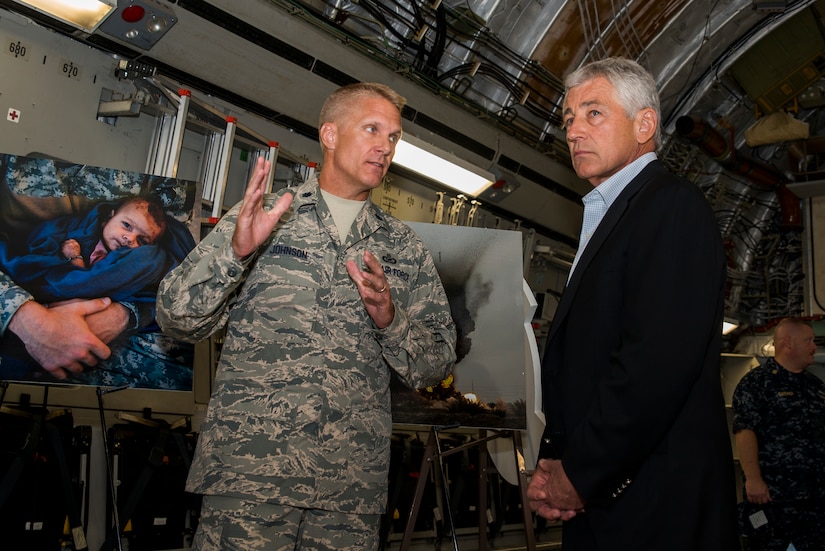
x,y
424,471
110,476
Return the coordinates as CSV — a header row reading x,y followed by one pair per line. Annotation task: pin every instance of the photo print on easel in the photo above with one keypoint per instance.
x,y
481,270
62,238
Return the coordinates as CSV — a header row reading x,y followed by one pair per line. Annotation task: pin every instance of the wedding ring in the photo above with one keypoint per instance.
x,y
382,289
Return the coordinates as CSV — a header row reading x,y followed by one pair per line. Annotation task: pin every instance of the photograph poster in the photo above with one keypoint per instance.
x,y
481,270
74,232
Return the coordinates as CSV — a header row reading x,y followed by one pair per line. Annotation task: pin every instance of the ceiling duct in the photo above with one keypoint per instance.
x,y
715,145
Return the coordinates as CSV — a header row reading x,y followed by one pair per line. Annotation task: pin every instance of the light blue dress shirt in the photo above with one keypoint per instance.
x,y
601,197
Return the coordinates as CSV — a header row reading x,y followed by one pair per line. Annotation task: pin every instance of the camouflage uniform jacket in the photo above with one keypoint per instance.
x,y
300,412
787,412
12,297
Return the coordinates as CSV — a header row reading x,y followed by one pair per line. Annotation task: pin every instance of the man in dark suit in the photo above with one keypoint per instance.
x,y
636,453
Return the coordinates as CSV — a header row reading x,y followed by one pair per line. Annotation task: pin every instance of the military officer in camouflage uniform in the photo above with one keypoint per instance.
x,y
779,423
323,295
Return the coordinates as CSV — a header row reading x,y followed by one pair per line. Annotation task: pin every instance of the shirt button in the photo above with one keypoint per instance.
x,y
232,272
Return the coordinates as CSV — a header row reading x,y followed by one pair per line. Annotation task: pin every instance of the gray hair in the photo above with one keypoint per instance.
x,y
634,85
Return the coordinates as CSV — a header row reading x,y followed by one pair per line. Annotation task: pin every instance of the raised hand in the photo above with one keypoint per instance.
x,y
255,224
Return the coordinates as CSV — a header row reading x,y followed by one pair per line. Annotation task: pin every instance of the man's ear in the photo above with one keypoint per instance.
x,y
328,135
646,122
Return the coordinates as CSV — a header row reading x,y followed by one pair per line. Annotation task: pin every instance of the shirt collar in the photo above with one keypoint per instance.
x,y
309,193
608,190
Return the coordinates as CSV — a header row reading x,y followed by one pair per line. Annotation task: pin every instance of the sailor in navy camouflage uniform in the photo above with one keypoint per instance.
x,y
323,295
779,423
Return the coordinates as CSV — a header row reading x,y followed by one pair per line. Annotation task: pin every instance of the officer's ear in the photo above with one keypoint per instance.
x,y
328,135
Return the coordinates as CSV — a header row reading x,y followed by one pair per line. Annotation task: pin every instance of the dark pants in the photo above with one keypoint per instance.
x,y
800,522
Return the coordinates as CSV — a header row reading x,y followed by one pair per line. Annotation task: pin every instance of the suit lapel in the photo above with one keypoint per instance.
x,y
606,226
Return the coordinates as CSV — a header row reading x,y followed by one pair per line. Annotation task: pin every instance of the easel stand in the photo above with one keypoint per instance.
x,y
433,452
115,534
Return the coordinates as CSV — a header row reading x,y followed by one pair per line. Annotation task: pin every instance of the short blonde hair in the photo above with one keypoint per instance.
x,y
338,103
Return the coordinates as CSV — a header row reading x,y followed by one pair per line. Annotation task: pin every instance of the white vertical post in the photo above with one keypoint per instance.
x,y
209,164
170,169
311,166
273,159
223,170
160,145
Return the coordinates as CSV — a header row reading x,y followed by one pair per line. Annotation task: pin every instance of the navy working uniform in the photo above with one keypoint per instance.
x,y
787,412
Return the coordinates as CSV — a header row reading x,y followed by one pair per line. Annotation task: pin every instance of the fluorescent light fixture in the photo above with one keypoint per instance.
x,y
728,325
85,15
441,166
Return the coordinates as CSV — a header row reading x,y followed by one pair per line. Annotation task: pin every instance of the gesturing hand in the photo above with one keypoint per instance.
x,y
374,290
255,224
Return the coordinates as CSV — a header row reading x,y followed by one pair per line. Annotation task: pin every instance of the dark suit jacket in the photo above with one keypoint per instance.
x,y
630,377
